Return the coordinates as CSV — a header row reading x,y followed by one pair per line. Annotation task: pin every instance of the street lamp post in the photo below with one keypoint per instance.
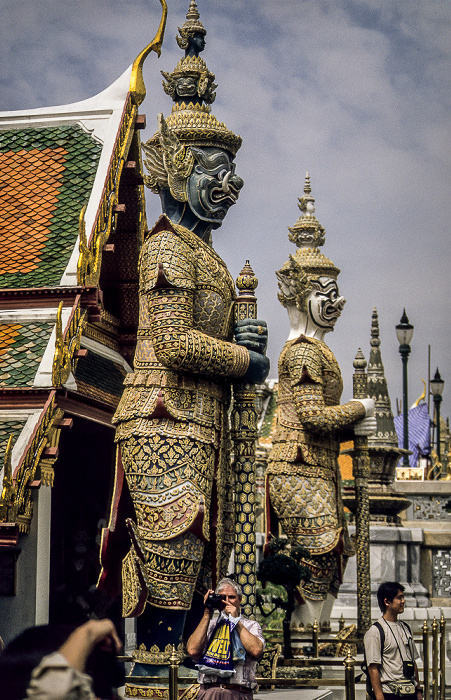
x,y
437,385
404,333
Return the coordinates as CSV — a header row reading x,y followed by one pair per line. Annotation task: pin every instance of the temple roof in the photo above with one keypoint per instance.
x,y
53,161
22,348
100,378
10,427
64,173
46,176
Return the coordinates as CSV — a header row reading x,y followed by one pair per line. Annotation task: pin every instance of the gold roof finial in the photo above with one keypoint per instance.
x,y
422,397
137,87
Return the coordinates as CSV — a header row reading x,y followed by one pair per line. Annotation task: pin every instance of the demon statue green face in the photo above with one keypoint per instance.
x,y
197,184
213,187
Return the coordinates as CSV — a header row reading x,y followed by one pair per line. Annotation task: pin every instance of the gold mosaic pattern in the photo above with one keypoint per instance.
x,y
172,418
323,570
244,425
143,691
303,474
307,509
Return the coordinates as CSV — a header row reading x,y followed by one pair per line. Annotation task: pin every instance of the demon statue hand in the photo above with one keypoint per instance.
x,y
303,473
172,421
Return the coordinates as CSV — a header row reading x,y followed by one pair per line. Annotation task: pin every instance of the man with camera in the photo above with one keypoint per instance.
x,y
390,651
246,646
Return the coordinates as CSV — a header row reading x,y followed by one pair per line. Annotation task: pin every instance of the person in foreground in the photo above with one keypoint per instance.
x,y
246,647
390,651
51,662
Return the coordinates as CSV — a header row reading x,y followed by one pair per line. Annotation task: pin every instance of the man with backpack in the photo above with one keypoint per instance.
x,y
390,651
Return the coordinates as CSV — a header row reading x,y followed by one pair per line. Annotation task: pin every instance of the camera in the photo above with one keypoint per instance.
x,y
408,669
215,601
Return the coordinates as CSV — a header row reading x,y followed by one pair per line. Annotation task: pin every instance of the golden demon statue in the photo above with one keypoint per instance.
x,y
303,473
172,421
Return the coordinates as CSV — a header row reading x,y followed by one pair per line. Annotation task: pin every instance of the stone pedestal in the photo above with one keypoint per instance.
x,y
428,510
394,556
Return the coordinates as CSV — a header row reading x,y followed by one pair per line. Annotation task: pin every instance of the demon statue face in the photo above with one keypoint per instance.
x,y
324,304
212,187
197,184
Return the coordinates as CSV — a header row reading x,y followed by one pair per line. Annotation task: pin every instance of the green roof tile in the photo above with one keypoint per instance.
x,y
46,176
101,374
7,428
21,349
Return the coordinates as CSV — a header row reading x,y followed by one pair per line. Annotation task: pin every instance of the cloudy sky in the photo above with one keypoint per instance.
x,y
355,91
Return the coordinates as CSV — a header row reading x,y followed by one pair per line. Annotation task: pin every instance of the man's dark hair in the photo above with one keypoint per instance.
x,y
388,590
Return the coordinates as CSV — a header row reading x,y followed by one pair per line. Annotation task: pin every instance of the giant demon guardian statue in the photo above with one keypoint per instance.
x,y
303,473
172,421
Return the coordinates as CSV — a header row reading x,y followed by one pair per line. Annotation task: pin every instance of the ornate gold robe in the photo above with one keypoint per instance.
x,y
172,424
303,472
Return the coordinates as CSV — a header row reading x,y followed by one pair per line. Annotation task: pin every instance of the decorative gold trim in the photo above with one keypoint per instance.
x,y
101,336
46,434
137,87
155,656
139,691
8,509
90,259
67,343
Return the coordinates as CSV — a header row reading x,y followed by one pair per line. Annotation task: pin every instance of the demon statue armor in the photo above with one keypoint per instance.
x,y
172,421
303,473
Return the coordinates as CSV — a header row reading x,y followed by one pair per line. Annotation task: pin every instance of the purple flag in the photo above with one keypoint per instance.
x,y
419,432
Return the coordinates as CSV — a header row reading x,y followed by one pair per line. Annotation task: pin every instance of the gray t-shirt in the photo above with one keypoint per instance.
x,y
390,664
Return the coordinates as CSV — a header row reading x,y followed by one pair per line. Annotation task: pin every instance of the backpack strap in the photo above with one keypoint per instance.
x,y
364,666
382,636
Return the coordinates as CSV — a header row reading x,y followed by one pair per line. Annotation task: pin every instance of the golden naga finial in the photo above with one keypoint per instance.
x,y
423,395
7,510
137,87
61,361
85,259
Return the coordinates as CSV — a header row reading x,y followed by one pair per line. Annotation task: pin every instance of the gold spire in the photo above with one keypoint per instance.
x,y
193,25
308,263
307,232
137,87
190,123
